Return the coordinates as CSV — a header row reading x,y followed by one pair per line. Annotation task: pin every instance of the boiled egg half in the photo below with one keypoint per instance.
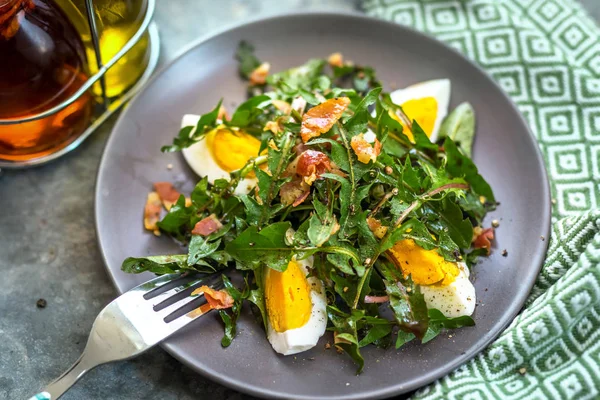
x,y
296,308
220,152
426,103
444,284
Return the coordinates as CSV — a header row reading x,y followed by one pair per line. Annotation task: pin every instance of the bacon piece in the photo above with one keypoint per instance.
x,y
294,192
321,118
364,150
336,60
217,299
207,225
167,193
311,164
282,106
152,213
259,75
482,238
376,299
376,227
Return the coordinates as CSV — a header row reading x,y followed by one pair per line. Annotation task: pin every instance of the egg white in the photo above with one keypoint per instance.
x,y
454,300
438,89
201,161
300,339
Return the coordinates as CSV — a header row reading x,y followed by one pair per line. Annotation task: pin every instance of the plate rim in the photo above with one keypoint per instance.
x,y
393,389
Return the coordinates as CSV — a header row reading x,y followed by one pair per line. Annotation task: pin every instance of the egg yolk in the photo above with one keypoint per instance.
x,y
426,267
231,149
424,111
287,297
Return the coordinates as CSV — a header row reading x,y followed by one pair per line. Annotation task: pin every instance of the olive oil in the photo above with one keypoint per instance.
x,y
117,22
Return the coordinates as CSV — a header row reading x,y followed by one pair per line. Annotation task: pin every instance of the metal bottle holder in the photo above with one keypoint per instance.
x,y
107,107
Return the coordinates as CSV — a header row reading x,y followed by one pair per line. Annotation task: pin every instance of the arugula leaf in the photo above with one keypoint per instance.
x,y
267,247
346,336
403,338
358,122
406,300
438,321
451,220
376,328
231,316
200,248
248,62
159,265
460,127
189,135
303,77
422,141
177,219
248,111
322,225
460,166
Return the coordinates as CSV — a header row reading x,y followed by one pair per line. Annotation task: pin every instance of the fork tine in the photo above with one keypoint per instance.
x,y
166,311
173,295
189,312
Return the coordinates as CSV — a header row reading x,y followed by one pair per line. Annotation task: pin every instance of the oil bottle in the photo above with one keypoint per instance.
x,y
43,62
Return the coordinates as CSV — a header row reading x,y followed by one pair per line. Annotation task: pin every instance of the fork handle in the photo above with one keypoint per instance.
x,y
63,383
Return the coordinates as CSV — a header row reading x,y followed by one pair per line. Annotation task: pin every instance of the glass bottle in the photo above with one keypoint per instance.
x,y
117,21
42,63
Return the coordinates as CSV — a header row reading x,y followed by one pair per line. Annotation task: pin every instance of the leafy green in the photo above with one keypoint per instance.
x,y
437,322
265,247
248,111
177,219
344,218
248,62
200,248
231,316
346,335
189,135
304,77
460,127
460,166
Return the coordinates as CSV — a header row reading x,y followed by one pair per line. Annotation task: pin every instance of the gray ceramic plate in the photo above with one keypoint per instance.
x,y
505,152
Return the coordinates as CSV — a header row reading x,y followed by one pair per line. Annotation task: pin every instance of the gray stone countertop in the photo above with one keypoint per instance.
x,y
48,248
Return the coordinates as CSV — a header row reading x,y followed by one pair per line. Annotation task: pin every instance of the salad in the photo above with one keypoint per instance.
x,y
344,208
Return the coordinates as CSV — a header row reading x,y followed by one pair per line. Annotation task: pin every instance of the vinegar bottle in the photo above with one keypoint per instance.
x,y
42,63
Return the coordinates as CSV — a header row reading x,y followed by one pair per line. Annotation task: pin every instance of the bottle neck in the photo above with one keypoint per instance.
x,y
10,10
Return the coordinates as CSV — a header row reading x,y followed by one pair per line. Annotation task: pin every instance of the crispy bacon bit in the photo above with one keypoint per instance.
x,y
376,299
482,238
217,299
206,226
294,192
299,104
282,106
320,119
311,164
273,126
259,75
364,150
167,193
300,148
152,213
336,60
376,227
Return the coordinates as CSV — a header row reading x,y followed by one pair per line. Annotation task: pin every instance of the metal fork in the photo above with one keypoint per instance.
x,y
136,321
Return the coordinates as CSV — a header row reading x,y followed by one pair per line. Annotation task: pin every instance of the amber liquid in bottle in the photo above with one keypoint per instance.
x,y
42,63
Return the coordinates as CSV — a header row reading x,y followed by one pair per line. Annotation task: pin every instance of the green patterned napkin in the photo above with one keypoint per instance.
x,y
546,55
